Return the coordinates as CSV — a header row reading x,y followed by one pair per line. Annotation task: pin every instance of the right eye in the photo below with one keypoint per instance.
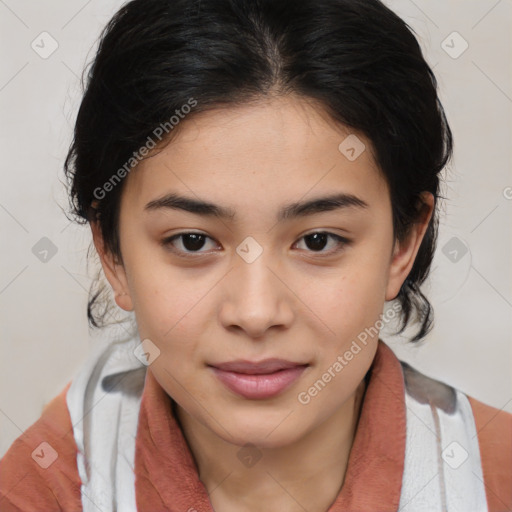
x,y
190,242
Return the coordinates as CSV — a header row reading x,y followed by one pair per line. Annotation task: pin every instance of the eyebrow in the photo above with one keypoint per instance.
x,y
289,211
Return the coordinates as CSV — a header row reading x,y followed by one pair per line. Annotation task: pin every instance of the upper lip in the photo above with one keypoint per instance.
x,y
260,367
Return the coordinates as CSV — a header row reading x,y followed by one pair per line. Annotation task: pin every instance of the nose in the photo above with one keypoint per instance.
x,y
256,298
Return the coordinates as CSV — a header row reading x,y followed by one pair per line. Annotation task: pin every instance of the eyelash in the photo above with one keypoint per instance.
x,y
168,243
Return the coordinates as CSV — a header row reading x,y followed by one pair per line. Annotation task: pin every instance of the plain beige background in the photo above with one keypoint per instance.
x,y
44,334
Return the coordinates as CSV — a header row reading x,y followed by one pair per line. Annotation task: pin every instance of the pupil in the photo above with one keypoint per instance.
x,y
197,241
319,240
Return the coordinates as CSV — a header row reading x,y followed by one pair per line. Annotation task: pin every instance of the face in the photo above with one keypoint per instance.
x,y
258,274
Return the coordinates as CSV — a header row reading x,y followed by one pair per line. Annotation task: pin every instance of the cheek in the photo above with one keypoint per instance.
x,y
164,296
354,298
168,311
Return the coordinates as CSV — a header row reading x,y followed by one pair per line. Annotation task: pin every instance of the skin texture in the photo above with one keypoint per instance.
x,y
297,301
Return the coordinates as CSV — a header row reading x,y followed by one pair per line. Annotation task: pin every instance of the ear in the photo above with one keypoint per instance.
x,y
114,271
404,254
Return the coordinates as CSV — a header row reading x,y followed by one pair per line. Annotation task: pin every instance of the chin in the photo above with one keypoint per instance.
x,y
273,431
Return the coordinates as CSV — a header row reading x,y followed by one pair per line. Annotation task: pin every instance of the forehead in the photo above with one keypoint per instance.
x,y
258,154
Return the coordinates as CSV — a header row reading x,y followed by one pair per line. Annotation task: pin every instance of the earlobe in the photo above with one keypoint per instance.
x,y
404,253
124,301
114,271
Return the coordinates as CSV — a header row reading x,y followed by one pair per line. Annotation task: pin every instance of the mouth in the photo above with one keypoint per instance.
x,y
258,380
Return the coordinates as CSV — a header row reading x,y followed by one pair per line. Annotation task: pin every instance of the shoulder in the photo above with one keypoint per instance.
x,y
429,390
494,429
39,471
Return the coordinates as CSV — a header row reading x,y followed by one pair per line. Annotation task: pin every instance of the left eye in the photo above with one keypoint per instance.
x,y
192,242
318,240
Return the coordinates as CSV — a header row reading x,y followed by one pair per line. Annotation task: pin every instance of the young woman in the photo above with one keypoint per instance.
x,y
261,178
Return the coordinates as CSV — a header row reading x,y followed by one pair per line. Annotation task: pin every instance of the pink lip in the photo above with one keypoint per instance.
x,y
258,380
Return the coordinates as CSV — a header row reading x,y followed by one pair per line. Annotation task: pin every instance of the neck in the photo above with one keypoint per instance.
x,y
305,475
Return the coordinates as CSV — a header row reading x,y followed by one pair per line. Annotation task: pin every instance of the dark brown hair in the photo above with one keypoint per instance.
x,y
356,57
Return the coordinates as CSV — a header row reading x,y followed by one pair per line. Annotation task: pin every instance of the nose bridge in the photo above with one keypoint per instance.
x,y
256,298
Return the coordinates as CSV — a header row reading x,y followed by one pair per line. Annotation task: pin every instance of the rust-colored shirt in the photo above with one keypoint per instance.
x,y
166,476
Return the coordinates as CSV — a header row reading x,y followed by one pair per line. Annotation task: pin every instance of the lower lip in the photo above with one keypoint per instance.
x,y
259,386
